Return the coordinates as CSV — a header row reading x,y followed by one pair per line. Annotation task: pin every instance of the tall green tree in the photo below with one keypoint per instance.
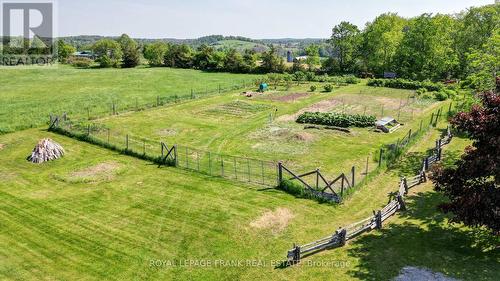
x,y
233,61
312,52
64,51
381,39
475,27
180,56
484,64
108,52
131,55
427,50
345,43
155,53
272,62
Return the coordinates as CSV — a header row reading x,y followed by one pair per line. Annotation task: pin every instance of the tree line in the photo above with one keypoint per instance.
x,y
427,47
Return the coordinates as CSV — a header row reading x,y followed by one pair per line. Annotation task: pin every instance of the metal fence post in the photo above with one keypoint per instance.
x,y
280,173
209,163
353,171
222,165
380,157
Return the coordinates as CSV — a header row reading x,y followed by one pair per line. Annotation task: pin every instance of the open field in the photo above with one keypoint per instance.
x,y
28,96
107,216
264,127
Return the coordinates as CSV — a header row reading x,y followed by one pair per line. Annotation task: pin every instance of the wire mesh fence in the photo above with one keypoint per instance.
x,y
231,167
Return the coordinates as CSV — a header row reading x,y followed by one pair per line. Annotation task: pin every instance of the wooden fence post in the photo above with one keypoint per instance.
x,y
126,141
378,219
423,177
88,130
432,118
405,185
109,134
439,154
402,205
426,165
342,235
294,254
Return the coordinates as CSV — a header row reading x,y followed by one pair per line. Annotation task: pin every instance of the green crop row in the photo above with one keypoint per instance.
x,y
337,119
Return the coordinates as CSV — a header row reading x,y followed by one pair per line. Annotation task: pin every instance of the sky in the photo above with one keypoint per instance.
x,y
258,19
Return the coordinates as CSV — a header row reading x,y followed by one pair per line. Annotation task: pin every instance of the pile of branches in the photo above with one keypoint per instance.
x,y
46,150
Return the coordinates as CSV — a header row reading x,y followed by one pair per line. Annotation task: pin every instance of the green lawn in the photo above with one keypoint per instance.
x,y
95,215
28,96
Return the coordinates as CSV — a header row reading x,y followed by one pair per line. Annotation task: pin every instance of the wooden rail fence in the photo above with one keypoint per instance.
x,y
396,203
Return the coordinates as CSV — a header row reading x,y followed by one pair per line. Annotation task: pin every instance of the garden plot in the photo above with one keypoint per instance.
x,y
264,128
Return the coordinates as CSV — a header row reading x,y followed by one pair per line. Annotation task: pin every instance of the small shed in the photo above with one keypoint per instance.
x,y
263,87
387,124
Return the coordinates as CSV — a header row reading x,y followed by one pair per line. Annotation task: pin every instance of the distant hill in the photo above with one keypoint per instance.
x,y
218,41
240,45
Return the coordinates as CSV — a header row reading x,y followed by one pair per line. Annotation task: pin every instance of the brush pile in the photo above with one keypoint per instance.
x,y
46,150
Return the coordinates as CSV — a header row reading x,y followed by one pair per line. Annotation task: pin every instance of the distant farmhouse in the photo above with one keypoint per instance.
x,y
84,54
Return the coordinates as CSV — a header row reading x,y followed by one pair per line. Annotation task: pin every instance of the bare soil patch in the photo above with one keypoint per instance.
x,y
98,172
289,98
167,132
2,146
322,106
304,136
275,221
389,103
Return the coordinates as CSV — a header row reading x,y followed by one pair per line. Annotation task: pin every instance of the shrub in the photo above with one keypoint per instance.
x,y
311,77
80,62
405,84
337,119
421,91
427,96
350,79
328,88
313,88
440,96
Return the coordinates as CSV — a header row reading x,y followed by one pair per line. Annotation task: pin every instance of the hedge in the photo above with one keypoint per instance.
x,y
337,119
406,84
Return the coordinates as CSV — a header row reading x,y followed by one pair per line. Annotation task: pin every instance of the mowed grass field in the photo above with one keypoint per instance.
x,y
95,215
264,127
28,96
